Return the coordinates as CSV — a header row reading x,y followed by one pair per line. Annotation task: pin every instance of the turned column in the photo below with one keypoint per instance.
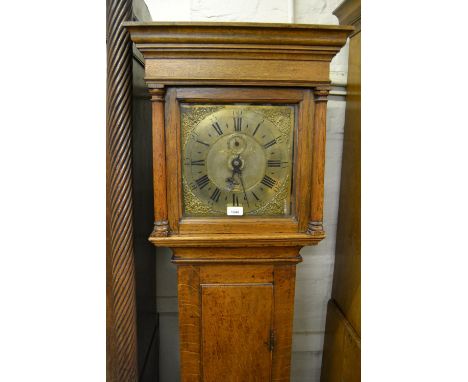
x,y
318,158
161,225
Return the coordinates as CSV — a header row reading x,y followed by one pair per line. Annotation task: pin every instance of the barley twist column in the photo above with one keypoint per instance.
x,y
121,305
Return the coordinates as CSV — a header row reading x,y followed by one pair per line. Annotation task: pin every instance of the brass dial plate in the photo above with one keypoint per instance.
x,y
237,155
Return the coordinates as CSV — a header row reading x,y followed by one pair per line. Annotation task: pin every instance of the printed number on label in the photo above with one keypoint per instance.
x,y
235,211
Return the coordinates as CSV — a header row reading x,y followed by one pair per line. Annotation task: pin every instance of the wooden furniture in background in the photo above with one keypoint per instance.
x,y
120,272
342,347
143,219
236,276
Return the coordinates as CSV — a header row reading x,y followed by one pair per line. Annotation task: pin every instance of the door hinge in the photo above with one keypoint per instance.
x,y
272,339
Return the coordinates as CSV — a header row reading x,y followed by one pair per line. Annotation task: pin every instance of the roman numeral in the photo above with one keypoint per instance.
x,y
203,143
215,195
267,181
202,182
200,162
235,200
237,123
255,131
217,128
269,144
274,163
255,196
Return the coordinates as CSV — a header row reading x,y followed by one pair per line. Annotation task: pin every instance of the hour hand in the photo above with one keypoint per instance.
x,y
236,164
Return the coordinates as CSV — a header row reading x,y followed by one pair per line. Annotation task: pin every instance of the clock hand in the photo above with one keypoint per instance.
x,y
235,168
231,181
243,188
236,165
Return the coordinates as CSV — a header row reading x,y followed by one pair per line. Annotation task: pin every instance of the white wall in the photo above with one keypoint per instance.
x,y
314,275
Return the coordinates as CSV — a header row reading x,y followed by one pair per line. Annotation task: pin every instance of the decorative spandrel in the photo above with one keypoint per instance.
x,y
237,159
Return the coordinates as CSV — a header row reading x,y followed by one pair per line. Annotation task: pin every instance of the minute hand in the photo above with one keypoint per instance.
x,y
243,188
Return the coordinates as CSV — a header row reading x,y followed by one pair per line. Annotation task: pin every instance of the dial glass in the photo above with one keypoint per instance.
x,y
237,156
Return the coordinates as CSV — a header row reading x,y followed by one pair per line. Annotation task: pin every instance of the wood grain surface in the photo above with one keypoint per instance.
x,y
342,345
120,272
241,253
318,158
161,224
189,323
342,348
347,275
236,328
284,281
235,321
249,53
228,71
248,240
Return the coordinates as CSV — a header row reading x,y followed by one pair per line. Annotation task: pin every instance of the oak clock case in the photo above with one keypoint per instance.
x,y
239,121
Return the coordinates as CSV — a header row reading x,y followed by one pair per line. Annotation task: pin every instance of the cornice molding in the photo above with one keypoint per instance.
x,y
237,53
247,40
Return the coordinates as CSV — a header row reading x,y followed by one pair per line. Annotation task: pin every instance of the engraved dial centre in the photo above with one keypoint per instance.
x,y
223,159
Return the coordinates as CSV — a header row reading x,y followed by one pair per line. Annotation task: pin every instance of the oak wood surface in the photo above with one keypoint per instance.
x,y
243,314
236,274
284,281
347,275
172,158
161,225
227,71
318,159
250,53
236,321
342,345
247,240
234,256
189,323
145,34
342,348
239,252
236,94
302,176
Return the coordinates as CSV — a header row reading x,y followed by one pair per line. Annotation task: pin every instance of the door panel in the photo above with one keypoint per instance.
x,y
236,328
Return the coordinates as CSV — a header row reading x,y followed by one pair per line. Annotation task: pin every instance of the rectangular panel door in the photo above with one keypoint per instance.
x,y
236,331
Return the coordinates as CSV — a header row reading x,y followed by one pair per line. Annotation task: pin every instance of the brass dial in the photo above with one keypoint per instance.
x,y
237,156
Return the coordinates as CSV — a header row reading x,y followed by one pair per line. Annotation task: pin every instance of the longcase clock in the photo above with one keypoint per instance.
x,y
239,121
